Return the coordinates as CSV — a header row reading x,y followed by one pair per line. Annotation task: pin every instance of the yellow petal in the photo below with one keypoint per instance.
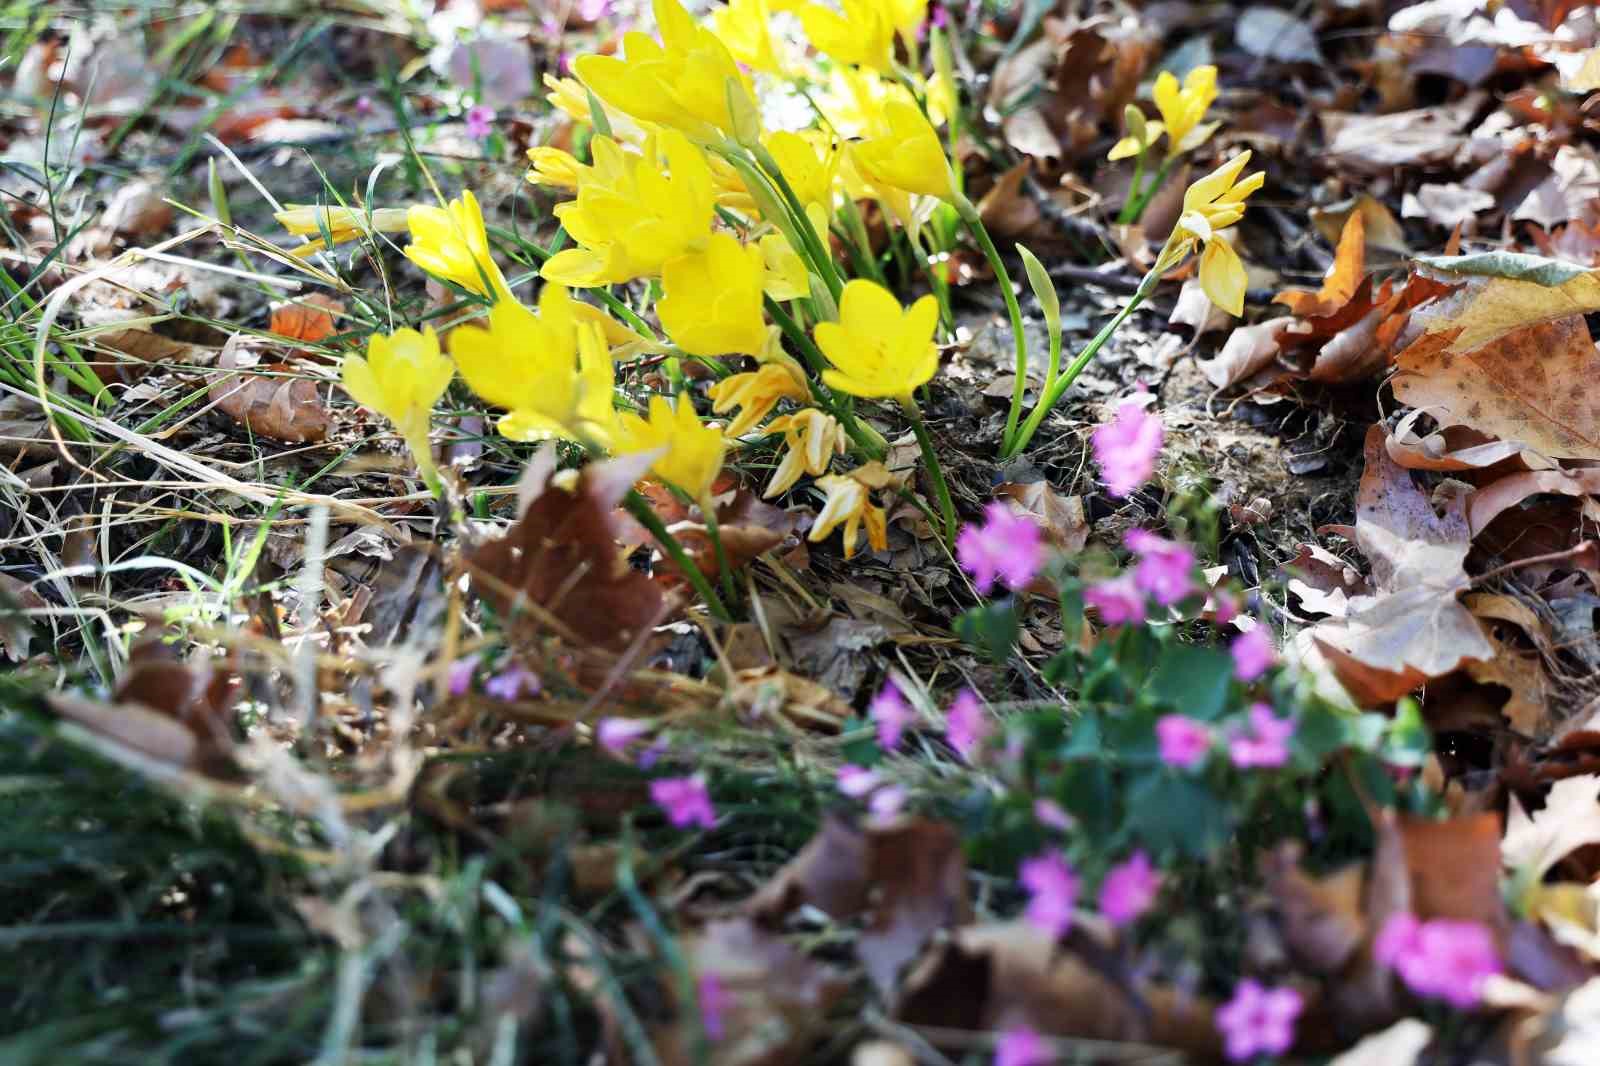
x,y
1223,276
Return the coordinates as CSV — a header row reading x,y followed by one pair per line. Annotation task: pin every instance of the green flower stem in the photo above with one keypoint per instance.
x,y
870,443
858,231
1150,190
1129,212
969,215
821,259
708,509
947,508
1056,390
641,510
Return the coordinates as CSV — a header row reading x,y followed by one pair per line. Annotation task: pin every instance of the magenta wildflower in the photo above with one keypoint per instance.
x,y
1439,959
714,1000
1252,654
512,684
1117,601
363,105
1265,743
480,121
887,801
1054,887
1166,568
1051,814
966,724
1126,448
1258,1020
857,781
685,801
1020,1046
891,713
617,734
1222,607
1184,742
1007,548
1129,889
459,676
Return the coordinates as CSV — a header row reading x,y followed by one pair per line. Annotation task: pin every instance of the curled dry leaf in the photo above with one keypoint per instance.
x,y
1413,628
288,409
1497,497
1248,351
1450,448
561,556
310,319
1062,518
1344,276
1569,820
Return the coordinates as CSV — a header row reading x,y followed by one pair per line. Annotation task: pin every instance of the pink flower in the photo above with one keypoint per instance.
x,y
1222,606
1439,959
459,677
887,801
1126,448
1265,743
1184,742
1020,1046
1050,813
363,105
1129,889
616,734
1166,568
480,121
966,724
1258,1020
510,684
891,713
1117,601
685,801
857,781
714,999
1006,548
1252,654
593,10
1054,887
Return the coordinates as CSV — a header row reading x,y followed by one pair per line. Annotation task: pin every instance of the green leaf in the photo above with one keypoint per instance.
x,y
597,115
1517,266
1193,680
1167,812
991,628
1044,290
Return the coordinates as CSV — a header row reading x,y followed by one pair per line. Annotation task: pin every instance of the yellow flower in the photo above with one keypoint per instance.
x,y
811,440
787,275
906,16
550,369
712,299
904,152
693,452
745,26
684,82
848,501
569,96
879,350
1142,133
342,224
756,392
629,217
810,164
451,244
1182,109
402,377
554,167
1210,206
859,33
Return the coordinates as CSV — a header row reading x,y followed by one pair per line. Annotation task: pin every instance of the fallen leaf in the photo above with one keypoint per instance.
x,y
1401,1044
1268,33
310,319
1062,518
1454,868
1569,820
1377,143
1449,205
1382,230
1320,917
1499,496
1343,278
1248,351
1498,292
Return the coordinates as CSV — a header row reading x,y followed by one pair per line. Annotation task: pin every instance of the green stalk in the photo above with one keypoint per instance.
x,y
821,259
871,444
1129,213
641,510
1156,182
947,508
1053,395
969,215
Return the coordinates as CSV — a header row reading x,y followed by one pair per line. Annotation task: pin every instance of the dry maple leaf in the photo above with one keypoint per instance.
x,y
1569,820
1413,628
309,319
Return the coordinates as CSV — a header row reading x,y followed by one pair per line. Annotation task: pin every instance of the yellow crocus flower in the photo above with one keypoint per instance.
x,y
711,302
755,393
451,244
860,33
631,217
811,439
401,377
906,16
1182,109
745,26
342,224
1141,135
903,152
810,164
691,453
848,502
879,350
549,369
569,96
1210,206
688,81
788,278
555,168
